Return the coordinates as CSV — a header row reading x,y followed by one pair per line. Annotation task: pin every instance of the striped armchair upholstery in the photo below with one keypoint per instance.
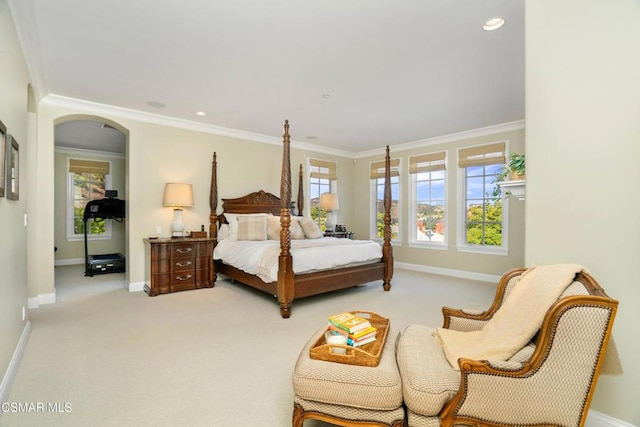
x,y
549,382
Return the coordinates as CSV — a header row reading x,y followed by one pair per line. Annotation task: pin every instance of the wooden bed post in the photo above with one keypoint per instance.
x,y
387,250
213,215
213,199
285,270
300,192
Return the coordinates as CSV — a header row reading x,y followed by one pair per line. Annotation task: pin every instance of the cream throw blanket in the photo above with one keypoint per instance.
x,y
516,321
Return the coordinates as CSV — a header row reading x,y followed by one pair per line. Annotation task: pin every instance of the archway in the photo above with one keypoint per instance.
x,y
79,139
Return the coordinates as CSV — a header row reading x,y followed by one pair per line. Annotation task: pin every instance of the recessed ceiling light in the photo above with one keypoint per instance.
x,y
201,113
156,104
492,24
312,137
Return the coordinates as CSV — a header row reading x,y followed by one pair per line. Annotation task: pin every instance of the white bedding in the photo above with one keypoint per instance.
x,y
260,258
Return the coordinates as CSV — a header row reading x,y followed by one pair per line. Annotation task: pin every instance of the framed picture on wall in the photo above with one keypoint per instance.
x,y
12,165
3,157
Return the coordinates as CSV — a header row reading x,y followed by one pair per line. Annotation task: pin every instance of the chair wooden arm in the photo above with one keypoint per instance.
x,y
464,319
470,320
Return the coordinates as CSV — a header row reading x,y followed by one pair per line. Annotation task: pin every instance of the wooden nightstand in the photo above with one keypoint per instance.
x,y
178,265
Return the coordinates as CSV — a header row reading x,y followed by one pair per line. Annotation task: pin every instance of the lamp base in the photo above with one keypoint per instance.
x,y
177,226
330,222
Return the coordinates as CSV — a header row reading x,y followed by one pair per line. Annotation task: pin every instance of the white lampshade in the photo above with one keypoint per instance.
x,y
329,201
177,195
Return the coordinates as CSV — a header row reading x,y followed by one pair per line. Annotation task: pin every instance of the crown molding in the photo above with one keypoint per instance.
x,y
453,137
111,111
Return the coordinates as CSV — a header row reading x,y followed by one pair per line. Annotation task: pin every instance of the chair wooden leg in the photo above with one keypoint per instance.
x,y
298,418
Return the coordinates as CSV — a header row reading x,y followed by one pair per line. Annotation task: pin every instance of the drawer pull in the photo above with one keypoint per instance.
x,y
183,264
184,250
183,278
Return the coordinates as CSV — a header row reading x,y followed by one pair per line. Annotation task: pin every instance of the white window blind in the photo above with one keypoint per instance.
x,y
427,163
490,154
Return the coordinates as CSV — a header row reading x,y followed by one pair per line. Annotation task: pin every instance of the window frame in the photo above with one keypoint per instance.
x,y
413,207
373,211
70,234
333,188
461,244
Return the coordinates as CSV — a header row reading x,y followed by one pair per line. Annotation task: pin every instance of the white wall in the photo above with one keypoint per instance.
x,y
14,80
583,146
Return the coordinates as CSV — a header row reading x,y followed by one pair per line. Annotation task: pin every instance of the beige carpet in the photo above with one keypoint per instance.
x,y
209,357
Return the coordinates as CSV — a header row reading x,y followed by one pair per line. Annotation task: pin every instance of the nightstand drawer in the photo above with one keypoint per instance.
x,y
184,264
164,282
181,250
183,279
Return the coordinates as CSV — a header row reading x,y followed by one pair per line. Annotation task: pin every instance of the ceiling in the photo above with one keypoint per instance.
x,y
352,75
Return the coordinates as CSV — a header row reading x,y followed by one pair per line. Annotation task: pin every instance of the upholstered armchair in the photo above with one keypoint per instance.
x,y
549,382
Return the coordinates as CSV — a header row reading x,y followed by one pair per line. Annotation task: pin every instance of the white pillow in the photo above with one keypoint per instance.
x,y
296,230
310,228
223,232
252,228
273,228
232,219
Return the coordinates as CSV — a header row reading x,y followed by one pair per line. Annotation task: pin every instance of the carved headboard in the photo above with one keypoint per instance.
x,y
257,202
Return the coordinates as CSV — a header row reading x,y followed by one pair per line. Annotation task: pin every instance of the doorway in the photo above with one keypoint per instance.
x,y
99,145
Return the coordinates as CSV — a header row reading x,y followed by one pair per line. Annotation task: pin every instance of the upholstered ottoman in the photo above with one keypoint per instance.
x,y
348,395
428,379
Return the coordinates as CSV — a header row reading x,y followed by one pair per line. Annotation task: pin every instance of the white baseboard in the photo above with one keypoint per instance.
x,y
41,299
598,419
449,272
134,286
14,364
70,261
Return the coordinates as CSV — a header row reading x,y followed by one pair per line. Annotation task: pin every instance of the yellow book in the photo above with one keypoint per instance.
x,y
349,322
358,335
363,332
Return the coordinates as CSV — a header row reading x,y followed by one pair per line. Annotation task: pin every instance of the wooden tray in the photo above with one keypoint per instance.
x,y
365,355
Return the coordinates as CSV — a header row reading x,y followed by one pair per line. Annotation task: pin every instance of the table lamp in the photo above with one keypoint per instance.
x,y
329,203
177,195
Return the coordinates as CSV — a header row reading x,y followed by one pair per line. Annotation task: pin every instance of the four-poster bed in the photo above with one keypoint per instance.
x,y
290,285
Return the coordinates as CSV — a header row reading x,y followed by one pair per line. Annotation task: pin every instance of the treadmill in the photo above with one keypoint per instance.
x,y
100,210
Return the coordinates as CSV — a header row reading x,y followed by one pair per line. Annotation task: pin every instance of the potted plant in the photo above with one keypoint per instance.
x,y
516,166
514,171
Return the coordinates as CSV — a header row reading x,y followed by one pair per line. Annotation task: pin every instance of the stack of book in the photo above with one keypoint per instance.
x,y
358,330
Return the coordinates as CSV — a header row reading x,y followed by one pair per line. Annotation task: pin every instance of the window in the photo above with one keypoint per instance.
x,y
428,207
322,179
377,185
484,225
87,180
